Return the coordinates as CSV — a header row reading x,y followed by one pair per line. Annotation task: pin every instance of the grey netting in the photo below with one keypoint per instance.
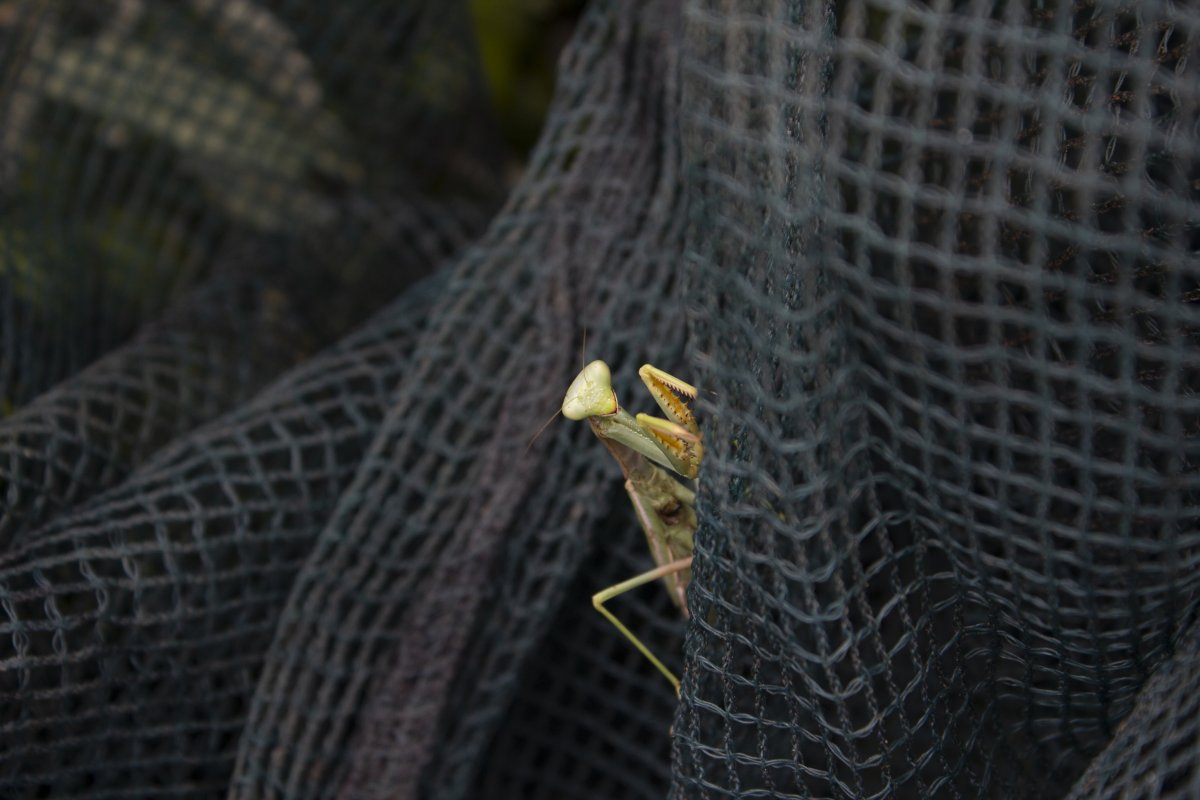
x,y
444,561
137,625
947,259
287,271
1153,752
140,136
932,266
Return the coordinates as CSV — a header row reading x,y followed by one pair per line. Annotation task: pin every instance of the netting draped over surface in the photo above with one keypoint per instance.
x,y
950,502
271,524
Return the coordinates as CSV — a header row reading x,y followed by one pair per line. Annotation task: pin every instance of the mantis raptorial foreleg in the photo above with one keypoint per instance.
x,y
643,446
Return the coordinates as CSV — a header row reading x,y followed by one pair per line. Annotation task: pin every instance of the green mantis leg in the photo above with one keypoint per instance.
x,y
603,596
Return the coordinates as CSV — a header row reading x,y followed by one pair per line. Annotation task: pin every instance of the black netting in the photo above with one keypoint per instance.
x,y
140,137
949,501
271,524
1153,751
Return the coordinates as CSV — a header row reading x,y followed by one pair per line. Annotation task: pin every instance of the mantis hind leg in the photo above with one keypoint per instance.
x,y
603,596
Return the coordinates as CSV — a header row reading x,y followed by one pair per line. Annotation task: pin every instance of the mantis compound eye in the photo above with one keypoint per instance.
x,y
591,393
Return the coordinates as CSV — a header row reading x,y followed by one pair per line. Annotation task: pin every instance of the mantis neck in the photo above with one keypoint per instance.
x,y
621,428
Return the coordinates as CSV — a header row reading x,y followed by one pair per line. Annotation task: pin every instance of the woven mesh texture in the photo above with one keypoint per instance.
x,y
950,503
271,521
140,138
1153,752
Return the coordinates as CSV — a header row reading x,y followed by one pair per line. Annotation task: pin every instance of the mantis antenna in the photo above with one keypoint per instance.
x,y
546,424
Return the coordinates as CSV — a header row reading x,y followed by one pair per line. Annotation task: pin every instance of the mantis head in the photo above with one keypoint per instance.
x,y
673,442
591,393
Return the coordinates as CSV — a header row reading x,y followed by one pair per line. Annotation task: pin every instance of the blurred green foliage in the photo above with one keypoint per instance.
x,y
519,44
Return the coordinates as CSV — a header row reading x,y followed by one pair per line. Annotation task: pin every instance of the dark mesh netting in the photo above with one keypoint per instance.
x,y
280,317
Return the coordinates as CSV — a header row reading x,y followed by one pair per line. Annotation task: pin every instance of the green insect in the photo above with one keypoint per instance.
x,y
643,446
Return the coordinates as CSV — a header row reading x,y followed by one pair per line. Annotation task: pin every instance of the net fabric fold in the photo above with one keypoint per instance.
x,y
1153,750
134,621
949,506
260,312
135,627
434,582
97,142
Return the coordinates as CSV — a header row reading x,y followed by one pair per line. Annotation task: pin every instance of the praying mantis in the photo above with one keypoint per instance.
x,y
643,446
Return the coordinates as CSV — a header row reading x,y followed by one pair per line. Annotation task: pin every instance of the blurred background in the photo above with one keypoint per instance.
x,y
140,138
